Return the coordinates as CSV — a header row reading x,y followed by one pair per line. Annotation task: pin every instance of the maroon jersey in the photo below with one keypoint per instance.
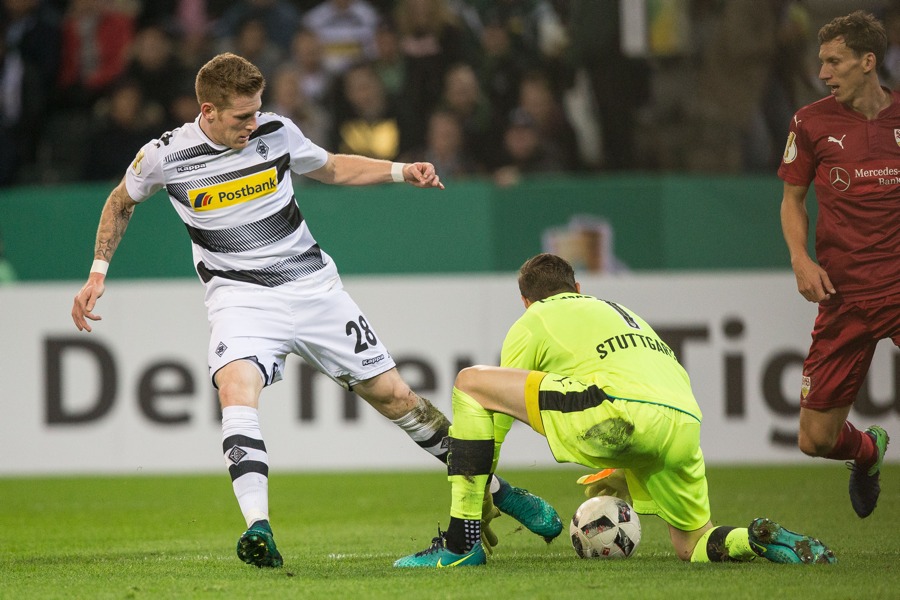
x,y
855,166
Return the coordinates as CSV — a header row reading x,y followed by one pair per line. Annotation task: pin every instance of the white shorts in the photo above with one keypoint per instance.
x,y
323,325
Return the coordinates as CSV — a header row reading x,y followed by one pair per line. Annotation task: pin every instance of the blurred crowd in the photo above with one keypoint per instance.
x,y
481,88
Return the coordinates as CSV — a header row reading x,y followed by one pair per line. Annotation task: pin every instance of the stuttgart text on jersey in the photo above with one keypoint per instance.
x,y
628,341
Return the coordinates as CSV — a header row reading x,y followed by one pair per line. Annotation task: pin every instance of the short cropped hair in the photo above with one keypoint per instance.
x,y
225,77
861,31
545,275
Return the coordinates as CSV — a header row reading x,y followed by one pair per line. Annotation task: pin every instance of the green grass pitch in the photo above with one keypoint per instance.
x,y
174,537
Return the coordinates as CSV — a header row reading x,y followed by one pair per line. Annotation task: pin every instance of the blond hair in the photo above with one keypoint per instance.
x,y
225,77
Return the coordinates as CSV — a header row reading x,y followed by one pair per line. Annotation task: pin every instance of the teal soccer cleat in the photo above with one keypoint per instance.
x,y
532,511
257,546
775,543
865,486
439,557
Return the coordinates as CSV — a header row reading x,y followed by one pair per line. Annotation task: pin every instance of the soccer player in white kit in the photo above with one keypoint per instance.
x,y
270,289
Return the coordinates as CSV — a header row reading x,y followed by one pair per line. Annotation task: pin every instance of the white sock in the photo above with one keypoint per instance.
x,y
427,426
247,461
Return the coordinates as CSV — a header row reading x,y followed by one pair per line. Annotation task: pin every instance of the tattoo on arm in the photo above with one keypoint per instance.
x,y
113,222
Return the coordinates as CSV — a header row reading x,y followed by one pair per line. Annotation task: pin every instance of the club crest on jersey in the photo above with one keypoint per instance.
x,y
805,385
262,149
235,191
897,136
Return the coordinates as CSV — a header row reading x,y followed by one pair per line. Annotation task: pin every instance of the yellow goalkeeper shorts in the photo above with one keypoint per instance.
x,y
658,446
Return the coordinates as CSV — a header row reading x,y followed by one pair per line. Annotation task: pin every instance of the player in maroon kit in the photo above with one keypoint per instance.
x,y
848,145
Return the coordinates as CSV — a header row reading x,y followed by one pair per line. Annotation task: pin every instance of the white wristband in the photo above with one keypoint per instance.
x,y
99,266
397,172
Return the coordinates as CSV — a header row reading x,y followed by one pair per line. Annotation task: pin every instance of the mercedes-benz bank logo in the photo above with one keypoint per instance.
x,y
840,179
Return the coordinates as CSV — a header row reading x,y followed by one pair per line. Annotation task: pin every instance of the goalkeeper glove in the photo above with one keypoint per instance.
x,y
608,482
489,512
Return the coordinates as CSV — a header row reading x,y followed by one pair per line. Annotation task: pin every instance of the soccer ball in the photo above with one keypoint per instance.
x,y
605,527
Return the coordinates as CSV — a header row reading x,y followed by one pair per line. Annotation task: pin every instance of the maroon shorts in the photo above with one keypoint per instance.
x,y
843,342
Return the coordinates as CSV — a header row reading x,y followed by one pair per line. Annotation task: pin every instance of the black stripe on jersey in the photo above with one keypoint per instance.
x,y
194,152
242,440
571,401
289,269
248,466
179,191
266,129
252,235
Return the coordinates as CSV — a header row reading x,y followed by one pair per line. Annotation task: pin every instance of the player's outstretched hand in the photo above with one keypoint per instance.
x,y
85,300
489,512
423,175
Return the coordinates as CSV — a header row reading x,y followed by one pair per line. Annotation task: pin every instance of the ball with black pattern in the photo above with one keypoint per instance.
x,y
605,527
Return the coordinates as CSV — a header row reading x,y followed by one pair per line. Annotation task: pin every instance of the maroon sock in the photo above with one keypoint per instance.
x,y
868,451
853,444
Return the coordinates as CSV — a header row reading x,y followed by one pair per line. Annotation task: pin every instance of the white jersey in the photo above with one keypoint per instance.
x,y
238,205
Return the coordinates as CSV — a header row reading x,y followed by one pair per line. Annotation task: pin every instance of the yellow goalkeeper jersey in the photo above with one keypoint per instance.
x,y
601,342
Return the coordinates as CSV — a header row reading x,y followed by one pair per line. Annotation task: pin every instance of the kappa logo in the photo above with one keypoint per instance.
x,y
262,149
839,142
234,192
372,361
840,179
189,168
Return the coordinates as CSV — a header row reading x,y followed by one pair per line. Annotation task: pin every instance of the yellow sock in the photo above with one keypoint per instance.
x,y
471,455
737,543
722,544
699,554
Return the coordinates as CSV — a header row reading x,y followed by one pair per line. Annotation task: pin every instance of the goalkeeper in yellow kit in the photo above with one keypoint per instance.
x,y
594,379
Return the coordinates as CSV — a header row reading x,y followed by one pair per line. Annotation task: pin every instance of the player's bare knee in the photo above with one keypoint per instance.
x,y
814,445
236,394
467,380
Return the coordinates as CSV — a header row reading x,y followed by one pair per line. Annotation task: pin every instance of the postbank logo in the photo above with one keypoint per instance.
x,y
234,192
